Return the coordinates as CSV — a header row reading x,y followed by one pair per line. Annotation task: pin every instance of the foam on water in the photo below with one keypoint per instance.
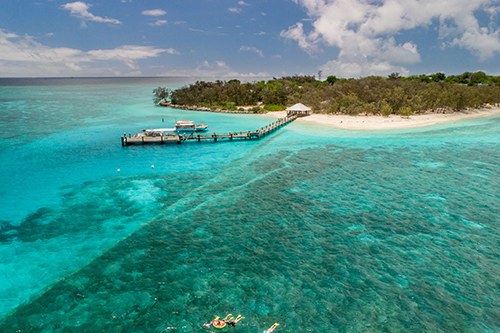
x,y
319,229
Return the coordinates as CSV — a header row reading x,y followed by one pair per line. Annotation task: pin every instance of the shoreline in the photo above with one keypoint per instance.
x,y
392,121
205,109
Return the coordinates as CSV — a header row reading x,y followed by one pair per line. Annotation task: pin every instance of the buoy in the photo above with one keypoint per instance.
x,y
118,170
152,167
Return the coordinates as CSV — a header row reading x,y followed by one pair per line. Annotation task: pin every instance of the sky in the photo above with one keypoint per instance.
x,y
247,39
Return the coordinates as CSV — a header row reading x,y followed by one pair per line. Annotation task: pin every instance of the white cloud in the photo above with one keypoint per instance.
x,y
254,49
351,68
480,43
158,23
202,71
135,73
127,54
243,3
221,64
172,51
154,12
405,54
363,31
296,32
197,30
23,56
264,14
218,69
218,64
261,33
248,75
235,10
80,10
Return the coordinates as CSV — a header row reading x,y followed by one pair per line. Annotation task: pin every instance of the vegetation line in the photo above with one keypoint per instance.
x,y
370,95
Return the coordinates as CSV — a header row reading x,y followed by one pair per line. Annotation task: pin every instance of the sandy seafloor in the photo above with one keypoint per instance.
x,y
320,229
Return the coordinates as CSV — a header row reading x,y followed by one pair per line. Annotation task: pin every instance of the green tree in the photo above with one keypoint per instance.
x,y
331,79
438,77
394,76
424,78
478,77
405,112
374,94
385,109
161,94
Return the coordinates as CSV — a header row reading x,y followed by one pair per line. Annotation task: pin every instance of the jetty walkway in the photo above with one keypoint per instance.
x,y
160,138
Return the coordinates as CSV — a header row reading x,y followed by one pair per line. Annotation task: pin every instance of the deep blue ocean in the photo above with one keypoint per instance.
x,y
316,228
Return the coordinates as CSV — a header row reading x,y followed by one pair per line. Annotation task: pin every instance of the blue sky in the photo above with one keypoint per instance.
x,y
247,39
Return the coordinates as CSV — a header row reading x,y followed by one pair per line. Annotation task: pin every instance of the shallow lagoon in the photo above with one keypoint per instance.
x,y
319,229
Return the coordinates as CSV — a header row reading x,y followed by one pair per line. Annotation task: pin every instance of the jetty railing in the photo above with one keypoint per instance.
x,y
160,138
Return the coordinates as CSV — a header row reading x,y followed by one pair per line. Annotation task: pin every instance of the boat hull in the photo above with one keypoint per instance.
x,y
190,130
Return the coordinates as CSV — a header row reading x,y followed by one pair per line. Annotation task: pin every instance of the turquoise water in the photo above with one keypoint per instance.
x,y
318,229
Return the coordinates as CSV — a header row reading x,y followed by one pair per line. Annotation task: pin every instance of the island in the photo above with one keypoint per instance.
x,y
372,102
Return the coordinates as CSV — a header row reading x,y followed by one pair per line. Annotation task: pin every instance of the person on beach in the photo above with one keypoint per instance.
x,y
272,328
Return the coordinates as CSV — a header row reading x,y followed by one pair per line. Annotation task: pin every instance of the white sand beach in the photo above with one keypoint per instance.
x,y
393,121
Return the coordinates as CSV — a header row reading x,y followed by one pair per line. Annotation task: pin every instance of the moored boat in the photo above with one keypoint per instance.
x,y
182,126
189,126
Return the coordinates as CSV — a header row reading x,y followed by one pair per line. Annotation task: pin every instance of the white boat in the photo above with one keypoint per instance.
x,y
180,126
189,126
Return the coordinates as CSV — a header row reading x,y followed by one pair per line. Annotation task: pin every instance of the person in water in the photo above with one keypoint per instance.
x,y
272,328
233,322
219,323
210,322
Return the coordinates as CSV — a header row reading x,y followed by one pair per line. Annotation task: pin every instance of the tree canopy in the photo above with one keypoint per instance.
x,y
370,95
161,94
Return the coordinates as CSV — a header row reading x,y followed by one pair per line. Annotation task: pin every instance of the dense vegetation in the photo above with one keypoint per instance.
x,y
370,95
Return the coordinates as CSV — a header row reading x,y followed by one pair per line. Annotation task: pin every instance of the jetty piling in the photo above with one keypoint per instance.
x,y
215,137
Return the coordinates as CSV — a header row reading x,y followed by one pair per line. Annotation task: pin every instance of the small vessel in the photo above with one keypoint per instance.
x,y
189,126
182,126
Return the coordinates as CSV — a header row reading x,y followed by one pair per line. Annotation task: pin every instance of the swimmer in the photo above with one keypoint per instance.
x,y
233,322
210,323
228,318
272,328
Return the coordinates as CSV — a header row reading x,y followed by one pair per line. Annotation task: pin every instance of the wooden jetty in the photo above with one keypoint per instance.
x,y
216,137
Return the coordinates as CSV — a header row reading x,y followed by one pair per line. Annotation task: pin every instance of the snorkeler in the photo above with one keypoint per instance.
x,y
233,322
272,328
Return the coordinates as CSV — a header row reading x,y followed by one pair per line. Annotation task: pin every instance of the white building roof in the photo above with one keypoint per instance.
x,y
298,107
